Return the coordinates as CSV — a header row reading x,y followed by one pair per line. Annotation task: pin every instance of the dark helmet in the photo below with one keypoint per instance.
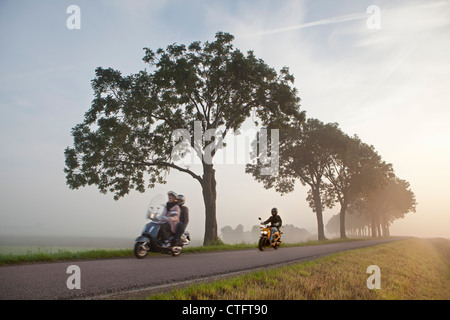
x,y
274,211
181,199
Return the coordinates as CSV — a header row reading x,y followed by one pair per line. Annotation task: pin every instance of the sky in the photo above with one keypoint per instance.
x,y
380,69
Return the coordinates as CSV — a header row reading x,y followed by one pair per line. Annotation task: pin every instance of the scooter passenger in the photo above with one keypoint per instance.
x,y
184,220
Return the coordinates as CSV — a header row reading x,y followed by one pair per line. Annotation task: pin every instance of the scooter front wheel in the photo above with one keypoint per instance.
x,y
140,251
262,244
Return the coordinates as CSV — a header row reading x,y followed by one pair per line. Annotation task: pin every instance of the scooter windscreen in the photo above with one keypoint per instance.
x,y
156,206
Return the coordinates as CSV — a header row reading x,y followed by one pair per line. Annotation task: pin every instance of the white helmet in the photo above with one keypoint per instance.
x,y
173,194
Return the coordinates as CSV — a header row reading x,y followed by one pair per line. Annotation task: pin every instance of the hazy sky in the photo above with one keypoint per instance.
x,y
389,85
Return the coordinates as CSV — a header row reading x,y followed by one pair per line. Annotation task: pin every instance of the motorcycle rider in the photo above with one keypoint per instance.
x,y
275,222
171,217
184,220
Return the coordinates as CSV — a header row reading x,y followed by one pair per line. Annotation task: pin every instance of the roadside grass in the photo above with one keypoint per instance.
x,y
62,255
413,269
43,255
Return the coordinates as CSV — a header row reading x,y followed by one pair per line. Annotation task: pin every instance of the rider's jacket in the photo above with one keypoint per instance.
x,y
275,221
184,215
171,214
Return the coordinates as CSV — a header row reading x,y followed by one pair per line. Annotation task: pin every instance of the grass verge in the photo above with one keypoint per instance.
x,y
62,255
410,270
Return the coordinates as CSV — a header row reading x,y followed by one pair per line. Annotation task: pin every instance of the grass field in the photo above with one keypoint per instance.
x,y
410,269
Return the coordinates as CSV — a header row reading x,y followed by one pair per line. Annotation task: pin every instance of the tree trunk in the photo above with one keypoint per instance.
x,y
318,206
209,198
387,233
342,219
385,226
373,225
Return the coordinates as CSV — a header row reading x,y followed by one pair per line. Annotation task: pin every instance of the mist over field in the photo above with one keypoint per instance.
x,y
386,84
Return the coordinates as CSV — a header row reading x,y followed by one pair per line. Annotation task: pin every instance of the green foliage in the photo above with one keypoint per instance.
x,y
126,132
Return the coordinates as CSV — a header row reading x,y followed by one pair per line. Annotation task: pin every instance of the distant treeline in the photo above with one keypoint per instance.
x,y
291,234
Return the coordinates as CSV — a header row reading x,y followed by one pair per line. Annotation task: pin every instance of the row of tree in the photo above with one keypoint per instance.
x,y
127,140
338,168
373,215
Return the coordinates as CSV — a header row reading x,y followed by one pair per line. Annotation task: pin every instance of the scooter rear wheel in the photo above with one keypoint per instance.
x,y
140,251
176,251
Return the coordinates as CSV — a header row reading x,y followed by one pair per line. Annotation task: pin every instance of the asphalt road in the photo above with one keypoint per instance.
x,y
106,278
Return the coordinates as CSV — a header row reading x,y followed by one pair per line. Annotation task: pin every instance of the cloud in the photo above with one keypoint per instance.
x,y
339,19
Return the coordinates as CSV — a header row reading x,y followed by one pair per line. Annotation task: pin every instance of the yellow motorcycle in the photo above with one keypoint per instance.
x,y
265,236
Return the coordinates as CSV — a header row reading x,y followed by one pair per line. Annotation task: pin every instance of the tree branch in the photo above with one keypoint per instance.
x,y
171,165
160,163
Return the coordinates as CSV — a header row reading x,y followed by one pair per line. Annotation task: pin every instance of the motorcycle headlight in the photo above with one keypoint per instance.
x,y
264,232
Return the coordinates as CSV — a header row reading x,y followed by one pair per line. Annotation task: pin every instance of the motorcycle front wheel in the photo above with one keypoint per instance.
x,y
140,251
262,244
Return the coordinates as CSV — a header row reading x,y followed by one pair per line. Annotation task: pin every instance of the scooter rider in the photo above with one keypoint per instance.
x,y
275,222
171,216
184,219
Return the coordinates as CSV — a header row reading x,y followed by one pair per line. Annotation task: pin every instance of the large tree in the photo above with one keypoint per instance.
x,y
126,140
